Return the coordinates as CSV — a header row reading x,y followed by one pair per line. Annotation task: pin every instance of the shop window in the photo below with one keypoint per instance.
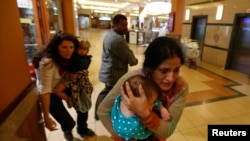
x,y
29,32
53,12
83,21
28,27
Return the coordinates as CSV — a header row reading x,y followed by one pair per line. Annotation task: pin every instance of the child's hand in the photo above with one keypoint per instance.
x,y
69,103
165,115
116,138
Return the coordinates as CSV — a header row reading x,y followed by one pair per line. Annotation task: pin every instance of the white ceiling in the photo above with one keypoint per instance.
x,y
115,6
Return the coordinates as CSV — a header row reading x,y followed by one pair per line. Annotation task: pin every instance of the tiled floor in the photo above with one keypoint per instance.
x,y
216,96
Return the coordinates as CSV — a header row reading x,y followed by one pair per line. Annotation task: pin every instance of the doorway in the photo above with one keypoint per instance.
x,y
239,55
198,31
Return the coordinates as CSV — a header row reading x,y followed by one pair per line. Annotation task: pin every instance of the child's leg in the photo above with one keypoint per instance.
x,y
160,138
82,126
152,137
82,121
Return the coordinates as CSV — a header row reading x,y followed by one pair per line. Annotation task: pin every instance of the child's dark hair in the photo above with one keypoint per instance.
x,y
147,84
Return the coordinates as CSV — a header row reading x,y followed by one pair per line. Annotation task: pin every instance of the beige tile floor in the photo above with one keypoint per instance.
x,y
195,119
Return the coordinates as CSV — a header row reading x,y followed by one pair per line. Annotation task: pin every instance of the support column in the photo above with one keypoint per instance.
x,y
37,27
20,113
141,20
68,16
178,8
128,19
43,20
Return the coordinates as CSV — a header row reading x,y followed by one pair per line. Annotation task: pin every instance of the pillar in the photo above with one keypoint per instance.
x,y
40,5
178,9
19,116
141,20
68,13
37,27
128,19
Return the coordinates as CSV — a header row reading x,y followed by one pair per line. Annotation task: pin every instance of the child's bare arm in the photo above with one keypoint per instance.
x,y
59,91
165,115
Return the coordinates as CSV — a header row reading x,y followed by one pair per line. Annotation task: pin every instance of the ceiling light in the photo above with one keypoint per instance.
x,y
79,1
136,8
219,12
103,11
99,8
134,14
157,8
105,18
162,17
187,14
118,5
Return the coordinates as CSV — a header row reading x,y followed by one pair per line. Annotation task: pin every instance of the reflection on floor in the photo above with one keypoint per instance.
x,y
219,88
217,96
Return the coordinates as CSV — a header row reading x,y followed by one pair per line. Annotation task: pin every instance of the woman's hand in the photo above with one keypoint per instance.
x,y
138,105
50,124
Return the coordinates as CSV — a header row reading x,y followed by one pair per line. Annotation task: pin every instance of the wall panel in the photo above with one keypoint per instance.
x,y
218,35
214,56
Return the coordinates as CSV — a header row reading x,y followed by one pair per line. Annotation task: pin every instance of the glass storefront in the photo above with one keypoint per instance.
x,y
83,21
28,27
54,12
34,22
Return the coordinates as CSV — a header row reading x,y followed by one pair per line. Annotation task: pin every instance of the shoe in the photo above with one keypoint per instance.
x,y
87,132
68,136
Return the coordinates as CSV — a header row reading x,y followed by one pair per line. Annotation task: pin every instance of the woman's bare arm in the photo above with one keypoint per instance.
x,y
49,122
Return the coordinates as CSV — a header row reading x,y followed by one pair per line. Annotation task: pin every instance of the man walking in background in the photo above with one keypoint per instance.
x,y
116,56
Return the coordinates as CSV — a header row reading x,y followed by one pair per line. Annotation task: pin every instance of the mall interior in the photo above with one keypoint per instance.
x,y
214,35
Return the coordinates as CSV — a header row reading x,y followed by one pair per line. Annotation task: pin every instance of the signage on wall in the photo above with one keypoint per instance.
x,y
24,4
171,21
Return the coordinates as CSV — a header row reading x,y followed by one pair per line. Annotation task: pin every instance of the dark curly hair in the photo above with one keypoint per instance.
x,y
160,49
51,50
